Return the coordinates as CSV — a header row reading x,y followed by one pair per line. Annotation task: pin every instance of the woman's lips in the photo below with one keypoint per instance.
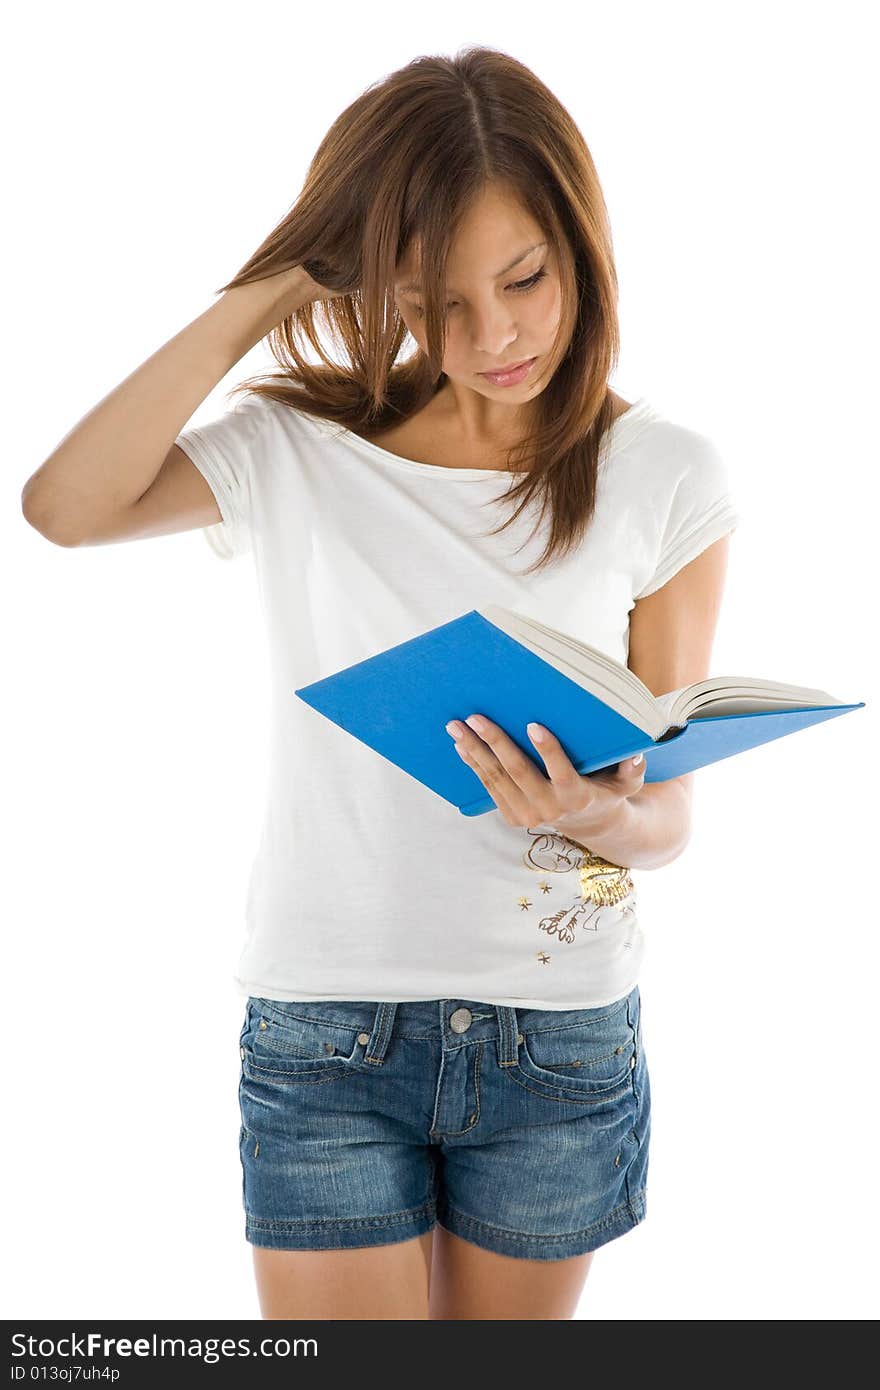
x,y
511,375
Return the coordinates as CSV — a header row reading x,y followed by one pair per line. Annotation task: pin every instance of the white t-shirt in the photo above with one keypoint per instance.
x,y
366,885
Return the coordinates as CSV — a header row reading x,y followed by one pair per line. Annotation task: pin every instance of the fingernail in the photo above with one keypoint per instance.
x,y
476,723
535,732
454,728
637,759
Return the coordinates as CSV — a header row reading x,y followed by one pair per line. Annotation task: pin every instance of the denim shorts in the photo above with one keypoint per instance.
x,y
524,1131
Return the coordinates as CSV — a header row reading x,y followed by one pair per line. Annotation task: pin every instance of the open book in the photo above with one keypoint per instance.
x,y
514,669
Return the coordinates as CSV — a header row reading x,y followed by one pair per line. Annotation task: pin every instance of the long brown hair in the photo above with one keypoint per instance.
x,y
398,168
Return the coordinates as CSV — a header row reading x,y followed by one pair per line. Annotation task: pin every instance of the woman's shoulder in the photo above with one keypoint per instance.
x,y
665,441
666,460
289,414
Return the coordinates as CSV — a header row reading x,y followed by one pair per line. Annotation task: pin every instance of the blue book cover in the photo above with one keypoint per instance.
x,y
399,702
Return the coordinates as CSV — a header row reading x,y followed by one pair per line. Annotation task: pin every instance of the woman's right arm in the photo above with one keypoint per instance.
x,y
118,475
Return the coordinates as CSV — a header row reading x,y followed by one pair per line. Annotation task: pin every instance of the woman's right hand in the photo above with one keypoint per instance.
x,y
292,288
278,296
315,291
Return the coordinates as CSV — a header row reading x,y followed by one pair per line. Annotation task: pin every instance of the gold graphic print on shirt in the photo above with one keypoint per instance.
x,y
602,885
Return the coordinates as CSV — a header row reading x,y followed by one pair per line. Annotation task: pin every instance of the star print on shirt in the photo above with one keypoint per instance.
x,y
602,886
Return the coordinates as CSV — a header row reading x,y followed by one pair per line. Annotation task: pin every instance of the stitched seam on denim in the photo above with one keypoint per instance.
x,y
563,1077
257,1059
353,1222
435,1034
273,1024
465,1043
594,1098
288,1052
637,1031
594,1062
315,1078
430,1200
454,1133
384,1029
634,1029
612,1218
611,1012
281,1014
566,1027
436,1037
478,1061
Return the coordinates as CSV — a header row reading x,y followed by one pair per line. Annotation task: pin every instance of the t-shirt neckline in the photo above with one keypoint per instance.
x,y
619,432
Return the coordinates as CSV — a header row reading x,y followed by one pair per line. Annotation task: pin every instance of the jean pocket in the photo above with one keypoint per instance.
x,y
282,1043
584,1055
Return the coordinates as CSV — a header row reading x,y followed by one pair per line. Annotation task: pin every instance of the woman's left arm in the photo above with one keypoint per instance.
x,y
671,634
617,815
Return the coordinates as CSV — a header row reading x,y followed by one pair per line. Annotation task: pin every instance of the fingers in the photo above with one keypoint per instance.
x,y
483,759
627,776
510,773
560,769
568,784
630,774
520,790
518,766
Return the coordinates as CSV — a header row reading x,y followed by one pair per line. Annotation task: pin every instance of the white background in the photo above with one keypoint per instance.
x,y
149,151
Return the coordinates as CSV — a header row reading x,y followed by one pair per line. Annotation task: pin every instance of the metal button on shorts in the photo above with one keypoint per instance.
x,y
461,1020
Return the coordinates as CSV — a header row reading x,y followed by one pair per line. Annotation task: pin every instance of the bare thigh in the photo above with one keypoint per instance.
x,y
370,1283
436,1275
468,1282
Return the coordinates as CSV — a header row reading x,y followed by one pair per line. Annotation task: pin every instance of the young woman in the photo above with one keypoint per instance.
x,y
444,1093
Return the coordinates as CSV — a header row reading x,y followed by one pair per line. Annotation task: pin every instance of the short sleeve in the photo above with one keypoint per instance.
x,y
223,451
700,510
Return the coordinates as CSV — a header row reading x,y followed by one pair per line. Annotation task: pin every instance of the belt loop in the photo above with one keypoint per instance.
x,y
508,1035
381,1034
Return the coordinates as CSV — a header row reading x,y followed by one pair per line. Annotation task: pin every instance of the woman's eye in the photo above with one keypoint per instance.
x,y
531,282
520,286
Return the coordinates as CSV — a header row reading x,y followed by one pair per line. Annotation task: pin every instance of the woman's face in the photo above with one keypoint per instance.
x,y
495,317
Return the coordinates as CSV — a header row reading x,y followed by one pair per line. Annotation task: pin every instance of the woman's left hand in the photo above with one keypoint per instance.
x,y
525,796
